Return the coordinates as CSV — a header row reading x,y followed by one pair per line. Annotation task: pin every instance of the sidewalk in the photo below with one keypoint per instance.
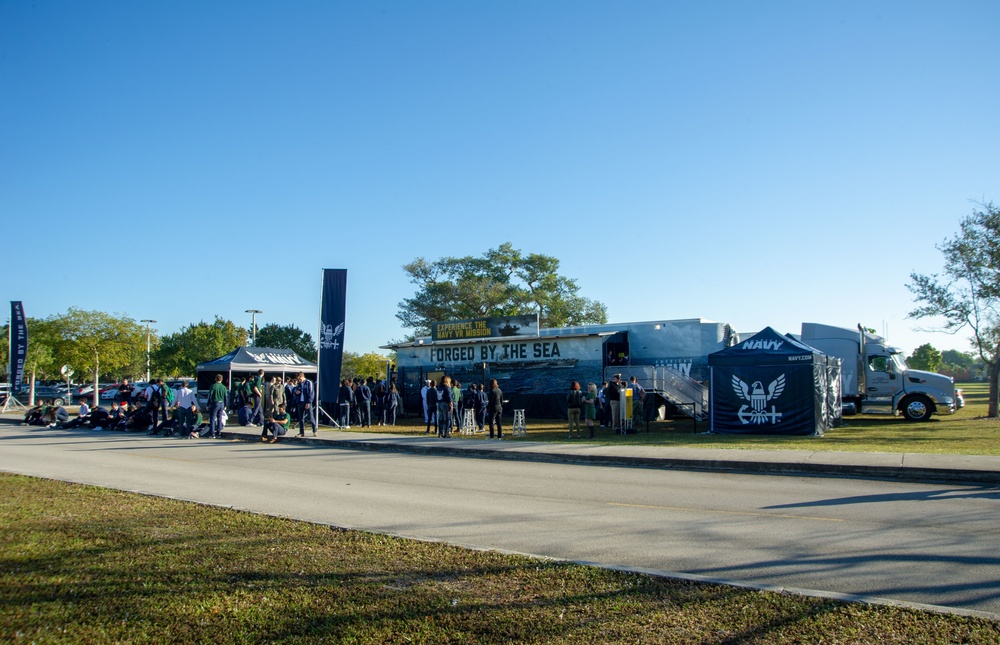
x,y
908,467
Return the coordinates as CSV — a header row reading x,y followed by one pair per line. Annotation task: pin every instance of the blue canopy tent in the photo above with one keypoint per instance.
x,y
246,361
773,384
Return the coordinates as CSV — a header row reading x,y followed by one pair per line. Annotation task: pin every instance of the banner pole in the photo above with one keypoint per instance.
x,y
319,348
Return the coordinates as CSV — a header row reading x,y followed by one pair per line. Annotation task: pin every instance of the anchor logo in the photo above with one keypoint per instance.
x,y
328,336
757,412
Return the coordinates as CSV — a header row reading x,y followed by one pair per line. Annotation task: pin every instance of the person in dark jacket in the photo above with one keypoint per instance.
x,y
494,408
444,407
344,398
306,400
482,400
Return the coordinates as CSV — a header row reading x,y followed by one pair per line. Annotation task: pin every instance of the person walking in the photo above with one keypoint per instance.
x,y
217,395
494,408
574,402
307,398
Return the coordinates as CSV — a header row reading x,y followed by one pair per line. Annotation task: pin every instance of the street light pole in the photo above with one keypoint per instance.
x,y
253,328
147,321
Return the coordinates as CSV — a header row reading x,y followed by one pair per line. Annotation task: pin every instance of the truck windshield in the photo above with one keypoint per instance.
x,y
898,363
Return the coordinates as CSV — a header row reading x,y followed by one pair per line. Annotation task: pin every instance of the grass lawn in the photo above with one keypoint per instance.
x,y
966,432
87,565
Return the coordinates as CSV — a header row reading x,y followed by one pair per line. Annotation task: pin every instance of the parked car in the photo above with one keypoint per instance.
x,y
54,394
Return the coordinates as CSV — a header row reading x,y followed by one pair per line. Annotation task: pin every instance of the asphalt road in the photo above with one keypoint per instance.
x,y
926,544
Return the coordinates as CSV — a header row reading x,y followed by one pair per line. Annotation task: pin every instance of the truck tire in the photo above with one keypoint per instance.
x,y
917,408
57,401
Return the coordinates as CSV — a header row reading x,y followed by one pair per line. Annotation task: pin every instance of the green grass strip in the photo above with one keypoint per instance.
x,y
82,564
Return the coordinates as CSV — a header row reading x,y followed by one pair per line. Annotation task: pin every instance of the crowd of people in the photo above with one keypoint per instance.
x,y
275,404
603,404
447,405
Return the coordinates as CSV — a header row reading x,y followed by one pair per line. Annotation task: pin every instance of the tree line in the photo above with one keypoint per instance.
x,y
104,347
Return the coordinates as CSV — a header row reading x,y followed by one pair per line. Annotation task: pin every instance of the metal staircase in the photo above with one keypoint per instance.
x,y
687,394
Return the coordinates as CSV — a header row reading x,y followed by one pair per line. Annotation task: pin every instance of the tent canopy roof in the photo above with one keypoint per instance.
x,y
254,358
767,347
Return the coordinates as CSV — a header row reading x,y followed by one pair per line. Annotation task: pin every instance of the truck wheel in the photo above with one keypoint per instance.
x,y
57,402
917,408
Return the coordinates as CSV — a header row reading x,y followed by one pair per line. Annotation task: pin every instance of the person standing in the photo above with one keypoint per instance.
x,y
345,395
614,399
290,406
186,398
590,407
430,397
482,400
307,397
423,402
638,394
257,397
574,402
364,396
494,408
390,402
444,407
125,393
217,395
603,409
456,404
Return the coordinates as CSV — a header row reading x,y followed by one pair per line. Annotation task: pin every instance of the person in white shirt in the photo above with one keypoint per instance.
x,y
186,397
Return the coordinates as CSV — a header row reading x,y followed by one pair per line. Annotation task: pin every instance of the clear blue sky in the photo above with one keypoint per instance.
x,y
757,163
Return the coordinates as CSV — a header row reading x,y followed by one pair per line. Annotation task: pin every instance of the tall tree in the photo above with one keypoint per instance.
x,y
180,353
926,358
503,282
287,337
363,365
93,340
967,296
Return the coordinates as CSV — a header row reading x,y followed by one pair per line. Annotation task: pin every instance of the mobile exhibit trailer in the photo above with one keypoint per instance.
x,y
534,366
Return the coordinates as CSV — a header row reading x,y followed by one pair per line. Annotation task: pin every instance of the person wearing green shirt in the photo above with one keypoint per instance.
x,y
256,388
217,395
277,425
194,420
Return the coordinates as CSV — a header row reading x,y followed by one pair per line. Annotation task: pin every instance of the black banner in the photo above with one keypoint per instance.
x,y
18,346
333,314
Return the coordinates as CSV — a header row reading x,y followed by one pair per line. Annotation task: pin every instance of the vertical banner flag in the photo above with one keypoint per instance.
x,y
333,313
18,346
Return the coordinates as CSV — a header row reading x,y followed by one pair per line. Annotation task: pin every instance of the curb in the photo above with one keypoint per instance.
x,y
914,475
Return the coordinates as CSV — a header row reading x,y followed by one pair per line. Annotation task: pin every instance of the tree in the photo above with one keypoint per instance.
x,y
92,340
287,337
925,358
363,365
968,295
180,353
503,282
956,364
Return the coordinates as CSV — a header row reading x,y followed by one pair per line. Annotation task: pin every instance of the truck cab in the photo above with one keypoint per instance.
x,y
875,378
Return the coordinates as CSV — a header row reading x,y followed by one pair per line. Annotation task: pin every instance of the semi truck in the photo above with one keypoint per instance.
x,y
875,378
